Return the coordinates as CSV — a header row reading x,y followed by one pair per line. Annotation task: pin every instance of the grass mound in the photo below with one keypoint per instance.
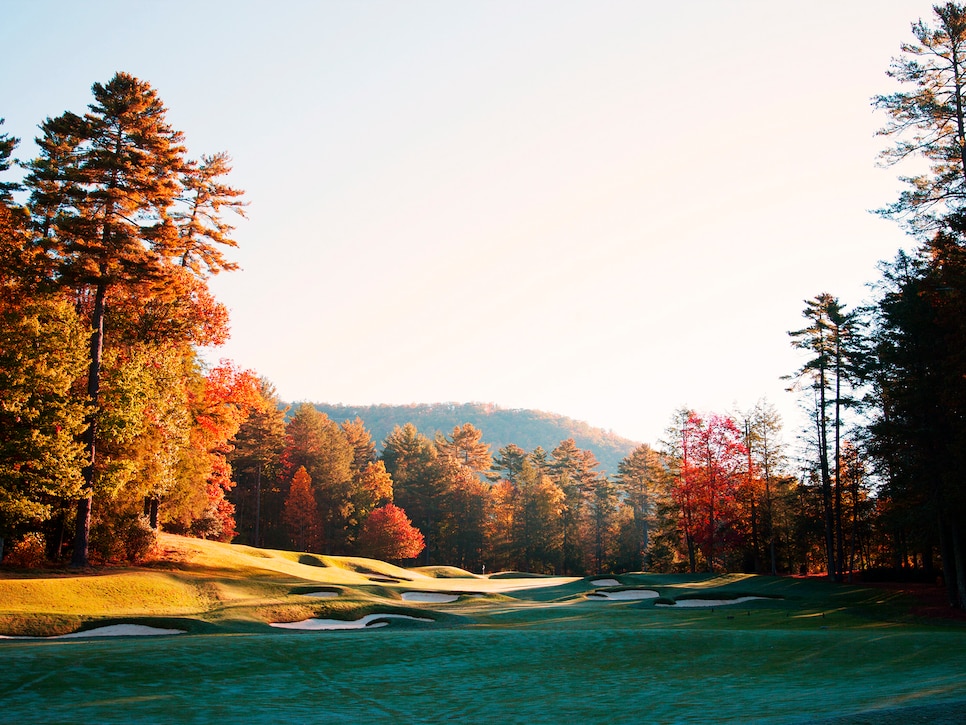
x,y
445,572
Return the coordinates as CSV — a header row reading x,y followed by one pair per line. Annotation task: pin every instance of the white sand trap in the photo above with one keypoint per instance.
x,y
709,602
114,630
430,597
319,624
627,594
321,595
606,583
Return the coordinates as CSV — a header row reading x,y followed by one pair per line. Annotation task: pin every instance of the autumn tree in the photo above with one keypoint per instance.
x,y
375,488
301,514
360,440
41,355
465,447
463,461
573,470
711,468
317,443
411,459
256,459
388,534
103,190
525,513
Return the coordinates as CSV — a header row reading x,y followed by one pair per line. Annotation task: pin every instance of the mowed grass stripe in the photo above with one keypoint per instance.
x,y
604,675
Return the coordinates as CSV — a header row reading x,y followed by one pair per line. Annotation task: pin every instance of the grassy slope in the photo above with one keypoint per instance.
x,y
536,654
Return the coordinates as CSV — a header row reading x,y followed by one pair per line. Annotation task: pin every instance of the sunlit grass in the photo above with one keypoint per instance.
x,y
507,650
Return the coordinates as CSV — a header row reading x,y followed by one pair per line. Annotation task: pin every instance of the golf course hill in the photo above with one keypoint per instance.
x,y
196,587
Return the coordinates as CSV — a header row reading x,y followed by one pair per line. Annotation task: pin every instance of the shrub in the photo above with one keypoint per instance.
x,y
128,538
139,539
29,552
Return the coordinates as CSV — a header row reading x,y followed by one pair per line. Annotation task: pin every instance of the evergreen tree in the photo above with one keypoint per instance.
x,y
918,434
411,460
927,119
8,144
103,192
637,477
831,340
256,460
317,443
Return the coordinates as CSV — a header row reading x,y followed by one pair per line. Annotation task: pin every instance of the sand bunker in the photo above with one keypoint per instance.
x,y
626,594
321,595
430,597
364,623
606,583
709,602
114,630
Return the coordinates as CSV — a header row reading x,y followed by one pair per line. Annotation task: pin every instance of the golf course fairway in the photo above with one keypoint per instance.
x,y
460,647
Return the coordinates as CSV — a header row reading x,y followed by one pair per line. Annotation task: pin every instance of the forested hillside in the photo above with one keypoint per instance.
x,y
500,426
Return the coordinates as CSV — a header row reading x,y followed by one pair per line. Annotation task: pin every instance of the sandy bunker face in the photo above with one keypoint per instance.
x,y
114,630
626,594
606,583
321,595
709,602
329,624
431,597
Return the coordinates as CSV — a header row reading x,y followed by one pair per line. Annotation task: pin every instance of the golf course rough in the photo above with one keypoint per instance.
x,y
529,650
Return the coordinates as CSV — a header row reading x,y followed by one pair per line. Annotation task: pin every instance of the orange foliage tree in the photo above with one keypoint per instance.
x,y
389,534
301,514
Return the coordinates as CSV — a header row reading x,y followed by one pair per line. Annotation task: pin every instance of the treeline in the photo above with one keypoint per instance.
x,y
718,496
525,428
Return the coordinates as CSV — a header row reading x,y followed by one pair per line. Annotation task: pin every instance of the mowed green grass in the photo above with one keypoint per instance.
x,y
813,652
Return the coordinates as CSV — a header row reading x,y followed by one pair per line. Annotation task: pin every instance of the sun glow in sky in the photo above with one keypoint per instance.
x,y
608,210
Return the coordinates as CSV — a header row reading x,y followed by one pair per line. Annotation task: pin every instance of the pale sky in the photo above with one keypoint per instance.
x,y
604,209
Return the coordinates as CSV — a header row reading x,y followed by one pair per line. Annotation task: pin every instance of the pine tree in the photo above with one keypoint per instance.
x,y
8,144
256,458
317,443
103,192
929,120
637,477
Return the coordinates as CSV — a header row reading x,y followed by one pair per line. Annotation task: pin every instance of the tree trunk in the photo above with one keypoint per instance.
x,y
83,525
258,500
839,533
956,534
826,484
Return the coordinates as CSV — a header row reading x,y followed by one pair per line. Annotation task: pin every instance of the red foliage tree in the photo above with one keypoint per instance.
x,y
389,534
219,407
713,467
